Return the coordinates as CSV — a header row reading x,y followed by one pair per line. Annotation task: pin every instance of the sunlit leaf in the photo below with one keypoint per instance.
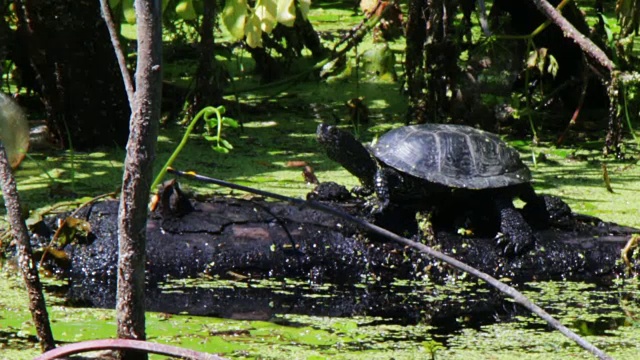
x,y
532,60
220,149
70,227
304,6
230,122
542,57
286,12
234,17
553,66
185,10
266,11
253,31
210,138
129,31
129,11
226,144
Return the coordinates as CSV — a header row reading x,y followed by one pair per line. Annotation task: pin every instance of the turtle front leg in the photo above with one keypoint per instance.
x,y
381,187
385,180
517,235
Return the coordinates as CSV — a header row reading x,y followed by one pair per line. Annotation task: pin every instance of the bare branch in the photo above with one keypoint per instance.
x,y
591,49
117,48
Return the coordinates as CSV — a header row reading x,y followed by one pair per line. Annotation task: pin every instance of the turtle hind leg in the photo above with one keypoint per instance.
x,y
536,205
516,234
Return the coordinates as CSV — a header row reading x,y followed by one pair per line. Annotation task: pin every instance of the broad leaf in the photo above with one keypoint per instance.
x,y
253,31
304,7
234,17
266,10
185,10
286,12
129,11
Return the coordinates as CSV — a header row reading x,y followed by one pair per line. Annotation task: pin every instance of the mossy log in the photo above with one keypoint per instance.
x,y
242,238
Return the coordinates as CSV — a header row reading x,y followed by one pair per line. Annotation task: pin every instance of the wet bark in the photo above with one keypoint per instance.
x,y
236,238
68,47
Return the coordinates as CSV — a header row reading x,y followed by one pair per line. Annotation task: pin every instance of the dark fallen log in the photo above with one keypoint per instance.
x,y
233,238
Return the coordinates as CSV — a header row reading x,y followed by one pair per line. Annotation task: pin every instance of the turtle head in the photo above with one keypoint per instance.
x,y
343,148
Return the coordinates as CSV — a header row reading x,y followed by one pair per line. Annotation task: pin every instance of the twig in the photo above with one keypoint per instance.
x,y
37,304
505,289
576,112
125,344
591,49
117,48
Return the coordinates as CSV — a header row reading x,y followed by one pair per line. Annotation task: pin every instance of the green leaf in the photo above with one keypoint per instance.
x,y
234,17
113,3
185,10
532,59
226,144
230,122
211,123
129,11
253,31
304,7
129,31
553,66
266,11
210,138
220,149
286,12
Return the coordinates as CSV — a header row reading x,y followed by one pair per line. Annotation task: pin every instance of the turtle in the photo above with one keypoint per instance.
x,y
439,165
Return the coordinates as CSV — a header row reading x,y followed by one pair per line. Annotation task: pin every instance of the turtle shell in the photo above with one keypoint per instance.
x,y
453,155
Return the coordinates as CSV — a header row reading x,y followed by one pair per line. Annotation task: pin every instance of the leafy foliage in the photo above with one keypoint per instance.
x,y
242,20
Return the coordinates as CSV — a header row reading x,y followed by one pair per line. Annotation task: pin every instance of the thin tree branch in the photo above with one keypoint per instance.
x,y
123,344
37,304
505,289
117,48
591,49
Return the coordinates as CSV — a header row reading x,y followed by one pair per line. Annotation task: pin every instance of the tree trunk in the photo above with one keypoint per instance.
x,y
414,63
37,304
69,49
137,178
208,89
432,55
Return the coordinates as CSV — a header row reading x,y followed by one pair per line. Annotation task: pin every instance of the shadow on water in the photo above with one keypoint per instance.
x,y
447,309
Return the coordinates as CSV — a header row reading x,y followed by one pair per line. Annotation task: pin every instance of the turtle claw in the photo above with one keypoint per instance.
x,y
377,206
512,245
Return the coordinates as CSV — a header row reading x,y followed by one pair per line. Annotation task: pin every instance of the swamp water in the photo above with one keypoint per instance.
x,y
297,320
